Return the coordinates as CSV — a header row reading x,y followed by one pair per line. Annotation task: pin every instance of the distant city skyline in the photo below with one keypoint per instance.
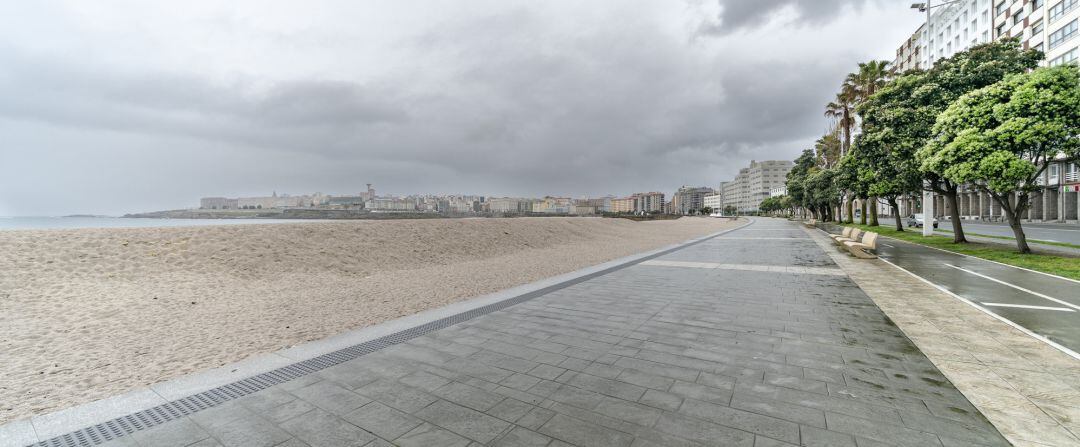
x,y
126,107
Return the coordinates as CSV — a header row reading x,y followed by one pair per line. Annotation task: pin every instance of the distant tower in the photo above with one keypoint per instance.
x,y
275,194
370,191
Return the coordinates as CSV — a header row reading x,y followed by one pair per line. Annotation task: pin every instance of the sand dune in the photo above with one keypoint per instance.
x,y
90,313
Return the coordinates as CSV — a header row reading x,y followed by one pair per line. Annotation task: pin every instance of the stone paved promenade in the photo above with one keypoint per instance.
x,y
754,338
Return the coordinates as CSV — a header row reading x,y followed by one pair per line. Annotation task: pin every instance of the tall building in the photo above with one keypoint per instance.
x,y
755,183
689,198
909,55
1051,26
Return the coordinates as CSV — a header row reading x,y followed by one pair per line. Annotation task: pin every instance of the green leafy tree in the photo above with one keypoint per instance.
x,y
907,107
1001,138
796,180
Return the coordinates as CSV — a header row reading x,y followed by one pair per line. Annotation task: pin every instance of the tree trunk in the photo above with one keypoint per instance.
x,y
1013,214
862,214
873,211
851,209
954,216
896,213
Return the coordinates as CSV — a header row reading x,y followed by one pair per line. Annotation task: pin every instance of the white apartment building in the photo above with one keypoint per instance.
x,y
715,201
755,183
778,191
954,28
1051,26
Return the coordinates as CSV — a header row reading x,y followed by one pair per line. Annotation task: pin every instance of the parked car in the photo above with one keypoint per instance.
x,y
917,221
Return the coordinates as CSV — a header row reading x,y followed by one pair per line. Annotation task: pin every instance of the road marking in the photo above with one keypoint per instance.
x,y
765,238
1064,303
799,270
890,246
1025,306
1007,321
985,260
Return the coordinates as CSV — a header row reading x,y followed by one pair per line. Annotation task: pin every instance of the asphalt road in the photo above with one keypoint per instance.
x,y
1069,233
1045,305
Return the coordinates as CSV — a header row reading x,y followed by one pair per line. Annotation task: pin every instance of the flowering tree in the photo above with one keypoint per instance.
x,y
1000,138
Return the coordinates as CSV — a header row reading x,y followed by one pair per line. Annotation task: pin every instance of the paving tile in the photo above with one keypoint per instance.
x,y
178,433
382,420
397,395
239,427
428,435
468,396
331,397
703,432
581,433
662,400
743,420
535,418
880,432
322,429
463,421
510,409
628,411
520,437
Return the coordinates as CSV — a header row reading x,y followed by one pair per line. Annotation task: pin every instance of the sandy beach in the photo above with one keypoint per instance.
x,y
90,313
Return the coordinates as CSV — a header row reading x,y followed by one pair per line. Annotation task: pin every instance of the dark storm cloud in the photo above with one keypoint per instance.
x,y
511,100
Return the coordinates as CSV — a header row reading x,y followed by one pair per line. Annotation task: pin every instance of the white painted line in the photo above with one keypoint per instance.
x,y
727,238
1064,303
1025,306
987,260
890,246
1018,327
749,267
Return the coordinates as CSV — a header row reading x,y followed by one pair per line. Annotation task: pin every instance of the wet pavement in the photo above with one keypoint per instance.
x,y
753,338
1045,305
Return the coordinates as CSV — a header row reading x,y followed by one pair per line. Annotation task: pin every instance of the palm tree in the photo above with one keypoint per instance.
x,y
871,76
843,111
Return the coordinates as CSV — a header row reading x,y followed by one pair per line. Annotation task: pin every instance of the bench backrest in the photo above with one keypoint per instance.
x,y
855,233
870,239
846,232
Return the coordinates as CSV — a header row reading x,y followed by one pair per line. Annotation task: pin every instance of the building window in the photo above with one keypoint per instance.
x,y
1067,58
1001,31
1060,8
1037,28
1038,47
1037,4
1000,8
1063,34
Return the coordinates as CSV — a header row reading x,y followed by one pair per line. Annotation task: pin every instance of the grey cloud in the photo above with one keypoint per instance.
x,y
510,102
736,15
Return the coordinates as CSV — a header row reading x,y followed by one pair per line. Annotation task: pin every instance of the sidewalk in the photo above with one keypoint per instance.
x,y
753,338
1029,390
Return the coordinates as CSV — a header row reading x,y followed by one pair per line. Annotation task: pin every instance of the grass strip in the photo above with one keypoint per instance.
x,y
1010,238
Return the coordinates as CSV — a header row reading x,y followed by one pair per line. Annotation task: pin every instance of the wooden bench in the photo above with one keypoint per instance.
x,y
811,223
864,249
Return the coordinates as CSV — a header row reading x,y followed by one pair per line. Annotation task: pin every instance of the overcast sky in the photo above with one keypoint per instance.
x,y
112,106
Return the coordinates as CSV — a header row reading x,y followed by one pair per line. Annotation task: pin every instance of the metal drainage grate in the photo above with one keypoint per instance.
x,y
142,420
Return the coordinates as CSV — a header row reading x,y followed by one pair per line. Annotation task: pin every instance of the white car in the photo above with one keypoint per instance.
x,y
918,220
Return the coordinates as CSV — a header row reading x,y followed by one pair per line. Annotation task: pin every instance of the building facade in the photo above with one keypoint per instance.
x,y
755,183
909,55
689,198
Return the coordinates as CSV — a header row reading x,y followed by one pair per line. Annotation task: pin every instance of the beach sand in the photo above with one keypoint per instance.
x,y
90,313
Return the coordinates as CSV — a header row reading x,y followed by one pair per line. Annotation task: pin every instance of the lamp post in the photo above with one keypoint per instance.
x,y
928,193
